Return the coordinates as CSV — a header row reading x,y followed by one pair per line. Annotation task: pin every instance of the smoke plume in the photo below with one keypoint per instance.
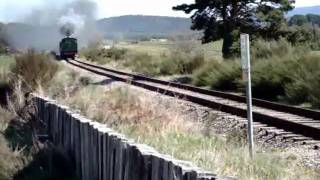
x,y
47,25
67,29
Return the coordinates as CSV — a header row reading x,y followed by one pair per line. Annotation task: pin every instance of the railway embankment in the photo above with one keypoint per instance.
x,y
101,153
210,139
215,141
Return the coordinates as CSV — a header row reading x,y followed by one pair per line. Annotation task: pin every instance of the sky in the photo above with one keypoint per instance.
x,y
12,10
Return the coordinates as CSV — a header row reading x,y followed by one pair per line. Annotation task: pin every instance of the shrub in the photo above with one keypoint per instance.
x,y
100,55
4,80
305,81
218,75
10,161
142,63
269,77
34,69
262,49
180,62
279,72
5,63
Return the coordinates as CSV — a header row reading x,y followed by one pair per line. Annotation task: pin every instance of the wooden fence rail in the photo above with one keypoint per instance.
x,y
99,153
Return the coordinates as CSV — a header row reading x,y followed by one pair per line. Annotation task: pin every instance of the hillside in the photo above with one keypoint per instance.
x,y
305,10
138,26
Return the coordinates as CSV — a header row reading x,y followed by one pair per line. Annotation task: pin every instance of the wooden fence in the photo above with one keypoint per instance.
x,y
99,153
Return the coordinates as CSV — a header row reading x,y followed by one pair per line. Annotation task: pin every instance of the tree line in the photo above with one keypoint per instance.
x,y
260,18
303,20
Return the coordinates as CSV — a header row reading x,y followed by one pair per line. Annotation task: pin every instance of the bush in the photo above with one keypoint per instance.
x,y
279,72
142,63
34,69
10,161
269,77
218,75
179,62
305,81
100,55
262,49
174,63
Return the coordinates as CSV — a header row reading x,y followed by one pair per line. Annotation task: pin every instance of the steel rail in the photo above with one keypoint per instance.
x,y
313,114
278,122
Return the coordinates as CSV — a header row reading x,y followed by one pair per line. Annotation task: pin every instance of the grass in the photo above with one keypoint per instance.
x,y
316,52
151,48
218,75
274,64
5,63
11,160
280,72
35,69
211,50
223,157
151,120
20,156
152,60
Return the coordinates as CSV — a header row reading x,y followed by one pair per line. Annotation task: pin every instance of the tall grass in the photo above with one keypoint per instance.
x,y
181,62
262,49
5,63
183,59
156,122
280,72
305,81
11,161
218,75
96,53
20,155
35,69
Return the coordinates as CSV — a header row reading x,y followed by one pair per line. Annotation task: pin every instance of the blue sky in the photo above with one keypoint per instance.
x,y
11,10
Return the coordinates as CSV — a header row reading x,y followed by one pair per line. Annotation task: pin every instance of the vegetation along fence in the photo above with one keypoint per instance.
x,y
99,153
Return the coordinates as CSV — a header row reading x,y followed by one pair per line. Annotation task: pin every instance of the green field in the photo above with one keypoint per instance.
x,y
316,52
210,50
6,61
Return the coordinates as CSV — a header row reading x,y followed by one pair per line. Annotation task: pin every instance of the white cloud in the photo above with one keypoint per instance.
x,y
304,3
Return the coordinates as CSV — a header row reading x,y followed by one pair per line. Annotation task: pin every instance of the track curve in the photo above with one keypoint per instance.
x,y
289,118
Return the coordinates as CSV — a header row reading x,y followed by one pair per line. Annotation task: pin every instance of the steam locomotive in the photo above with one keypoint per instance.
x,y
68,48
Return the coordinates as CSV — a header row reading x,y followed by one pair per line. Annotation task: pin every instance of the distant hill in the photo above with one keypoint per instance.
x,y
138,25
305,10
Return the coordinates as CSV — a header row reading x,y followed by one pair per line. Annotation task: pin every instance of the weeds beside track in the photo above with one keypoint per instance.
x,y
289,118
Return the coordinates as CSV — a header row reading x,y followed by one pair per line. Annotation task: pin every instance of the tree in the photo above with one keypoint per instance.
x,y
298,20
220,18
313,19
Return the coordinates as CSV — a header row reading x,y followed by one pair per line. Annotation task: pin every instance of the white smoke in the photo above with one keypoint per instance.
x,y
45,24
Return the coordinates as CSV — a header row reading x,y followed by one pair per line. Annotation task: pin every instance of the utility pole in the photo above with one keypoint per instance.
x,y
246,69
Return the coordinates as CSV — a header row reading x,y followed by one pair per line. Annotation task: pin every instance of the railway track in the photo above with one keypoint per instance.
x,y
303,124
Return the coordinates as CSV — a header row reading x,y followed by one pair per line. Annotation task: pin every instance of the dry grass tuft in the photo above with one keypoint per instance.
x,y
5,118
16,100
119,106
151,120
34,69
10,160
